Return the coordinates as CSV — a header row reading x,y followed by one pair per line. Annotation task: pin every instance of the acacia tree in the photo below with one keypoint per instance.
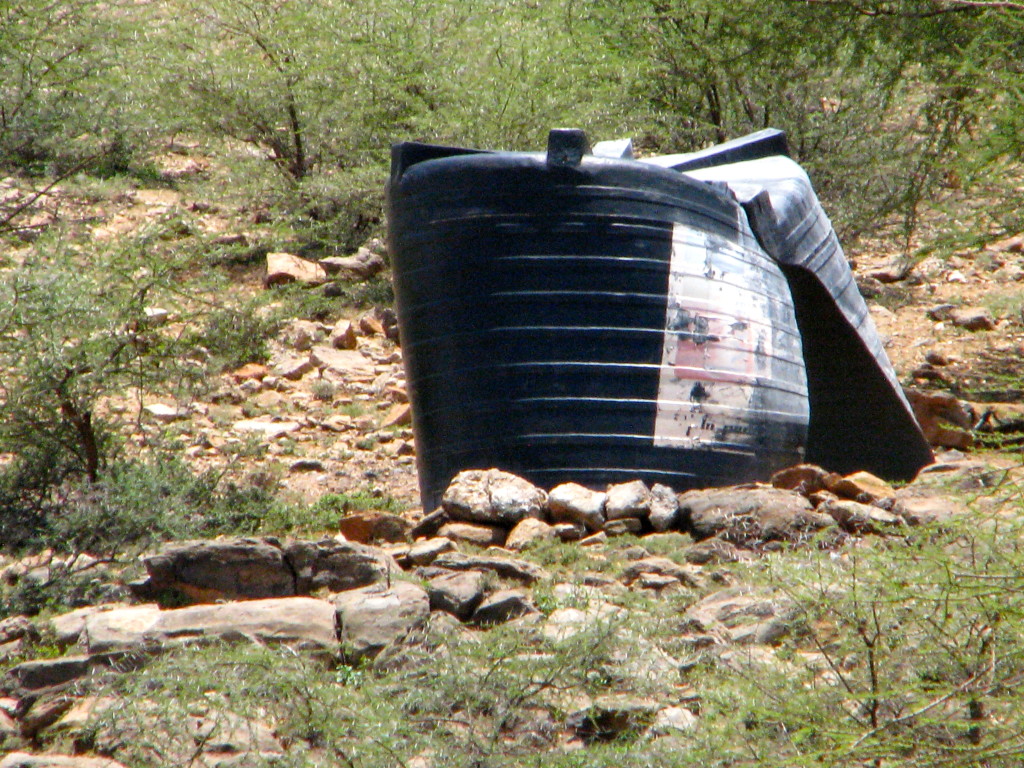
x,y
877,98
70,340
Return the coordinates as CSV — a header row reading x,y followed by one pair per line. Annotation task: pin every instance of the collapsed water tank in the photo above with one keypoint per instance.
x,y
568,317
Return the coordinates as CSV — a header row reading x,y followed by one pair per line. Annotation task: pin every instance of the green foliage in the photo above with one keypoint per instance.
x,y
56,103
70,339
235,335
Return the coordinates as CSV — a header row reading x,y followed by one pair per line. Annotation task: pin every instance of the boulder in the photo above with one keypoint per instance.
x,y
502,606
348,363
752,515
362,265
426,552
119,629
743,616
622,526
632,499
288,268
227,569
370,526
664,512
662,566
476,534
456,593
945,420
860,486
855,517
48,673
572,503
528,532
972,319
612,717
301,621
343,335
492,497
803,478
505,567
372,618
336,565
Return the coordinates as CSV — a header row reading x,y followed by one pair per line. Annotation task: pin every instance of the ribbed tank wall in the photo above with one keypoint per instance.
x,y
591,324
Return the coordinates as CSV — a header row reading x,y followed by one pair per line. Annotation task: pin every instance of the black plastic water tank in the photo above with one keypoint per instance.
x,y
574,318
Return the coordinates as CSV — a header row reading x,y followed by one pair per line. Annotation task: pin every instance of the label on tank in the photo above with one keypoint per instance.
x,y
717,344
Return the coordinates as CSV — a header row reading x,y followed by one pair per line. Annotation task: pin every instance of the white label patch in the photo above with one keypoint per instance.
x,y
717,344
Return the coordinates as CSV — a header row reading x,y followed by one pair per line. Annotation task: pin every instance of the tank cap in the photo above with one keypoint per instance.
x,y
566,147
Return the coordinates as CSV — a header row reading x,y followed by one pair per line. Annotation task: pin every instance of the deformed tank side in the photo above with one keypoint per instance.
x,y
860,418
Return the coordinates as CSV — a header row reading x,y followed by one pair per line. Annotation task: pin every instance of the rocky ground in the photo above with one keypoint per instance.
x,y
329,413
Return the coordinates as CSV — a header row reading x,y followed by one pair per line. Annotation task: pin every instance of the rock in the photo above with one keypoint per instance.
x,y
336,565
612,717
570,531
456,593
268,428
250,372
664,512
714,550
349,363
685,574
937,358
44,712
362,265
623,526
9,729
373,618
654,581
369,325
476,534
752,516
119,629
505,567
743,616
940,313
301,621
1014,244
343,335
371,526
891,274
400,415
802,478
301,334
165,414
48,673
528,532
566,623
860,486
307,465
672,720
16,628
944,419
632,499
594,540
82,714
426,552
430,524
972,319
926,509
25,760
503,606
229,569
855,517
492,497
573,503
287,268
